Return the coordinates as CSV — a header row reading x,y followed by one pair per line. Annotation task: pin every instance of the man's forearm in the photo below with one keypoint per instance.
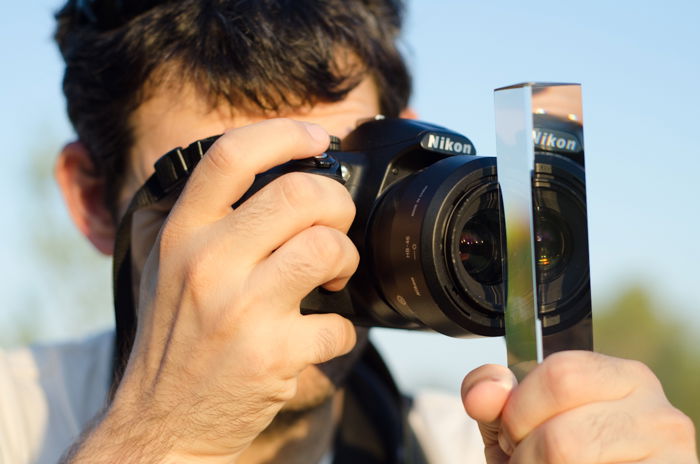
x,y
112,439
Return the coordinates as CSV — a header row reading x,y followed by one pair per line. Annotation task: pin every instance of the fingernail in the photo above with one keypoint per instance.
x,y
506,383
505,443
317,132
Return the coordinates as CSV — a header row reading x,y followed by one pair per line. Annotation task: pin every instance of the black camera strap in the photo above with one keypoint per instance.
x,y
374,427
171,172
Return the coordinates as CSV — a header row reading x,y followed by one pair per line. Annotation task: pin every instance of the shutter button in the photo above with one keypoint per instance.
x,y
323,161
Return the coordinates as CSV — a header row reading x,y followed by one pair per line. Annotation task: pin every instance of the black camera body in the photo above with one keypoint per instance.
x,y
429,229
406,177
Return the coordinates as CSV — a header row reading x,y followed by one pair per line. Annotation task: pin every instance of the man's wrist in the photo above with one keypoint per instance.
x,y
119,436
135,437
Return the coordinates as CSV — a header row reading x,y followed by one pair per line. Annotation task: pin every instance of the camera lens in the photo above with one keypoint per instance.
x,y
435,248
475,250
479,247
472,246
437,251
561,245
550,242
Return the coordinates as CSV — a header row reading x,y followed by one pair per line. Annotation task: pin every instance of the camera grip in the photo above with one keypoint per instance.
x,y
322,165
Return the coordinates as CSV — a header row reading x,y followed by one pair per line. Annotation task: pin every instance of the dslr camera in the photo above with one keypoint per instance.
x,y
429,227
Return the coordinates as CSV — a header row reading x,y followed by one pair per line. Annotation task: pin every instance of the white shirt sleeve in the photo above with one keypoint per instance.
x,y
445,432
48,395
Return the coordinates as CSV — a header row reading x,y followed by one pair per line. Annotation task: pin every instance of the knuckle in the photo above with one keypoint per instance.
x,y
283,393
326,245
557,446
326,344
294,130
676,425
222,155
508,426
196,275
344,204
349,331
336,200
287,126
299,190
562,375
354,257
253,215
345,335
643,373
291,132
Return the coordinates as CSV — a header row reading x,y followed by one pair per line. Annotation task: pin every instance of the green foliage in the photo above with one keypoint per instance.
x,y
635,326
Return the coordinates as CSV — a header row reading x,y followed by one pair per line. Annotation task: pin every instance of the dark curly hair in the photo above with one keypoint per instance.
x,y
265,55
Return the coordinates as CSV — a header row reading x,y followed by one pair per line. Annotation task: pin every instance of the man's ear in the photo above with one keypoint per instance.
x,y
83,192
408,113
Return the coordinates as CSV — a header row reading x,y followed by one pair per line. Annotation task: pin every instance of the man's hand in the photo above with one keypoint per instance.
x,y
220,340
577,407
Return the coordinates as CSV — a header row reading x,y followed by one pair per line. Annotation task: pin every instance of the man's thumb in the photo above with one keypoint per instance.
x,y
485,391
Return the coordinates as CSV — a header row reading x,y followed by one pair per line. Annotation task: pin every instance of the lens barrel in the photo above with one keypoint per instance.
x,y
561,247
430,231
414,239
436,249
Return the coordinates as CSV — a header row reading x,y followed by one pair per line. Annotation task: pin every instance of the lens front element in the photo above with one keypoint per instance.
x,y
480,247
550,242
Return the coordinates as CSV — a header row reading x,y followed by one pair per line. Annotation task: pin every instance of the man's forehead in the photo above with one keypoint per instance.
x,y
176,113
175,116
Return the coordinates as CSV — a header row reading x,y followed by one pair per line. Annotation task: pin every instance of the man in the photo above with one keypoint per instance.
x,y
224,368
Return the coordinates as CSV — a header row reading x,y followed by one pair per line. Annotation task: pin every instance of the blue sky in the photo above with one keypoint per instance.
x,y
639,66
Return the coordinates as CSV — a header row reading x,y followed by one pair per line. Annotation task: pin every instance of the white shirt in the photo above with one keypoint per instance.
x,y
49,394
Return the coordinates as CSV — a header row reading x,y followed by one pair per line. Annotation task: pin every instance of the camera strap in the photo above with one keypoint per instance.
x,y
171,172
374,427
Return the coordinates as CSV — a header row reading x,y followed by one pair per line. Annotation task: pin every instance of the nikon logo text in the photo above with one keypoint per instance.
x,y
446,144
555,141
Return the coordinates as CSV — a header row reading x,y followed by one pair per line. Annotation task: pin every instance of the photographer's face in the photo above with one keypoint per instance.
x,y
177,116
